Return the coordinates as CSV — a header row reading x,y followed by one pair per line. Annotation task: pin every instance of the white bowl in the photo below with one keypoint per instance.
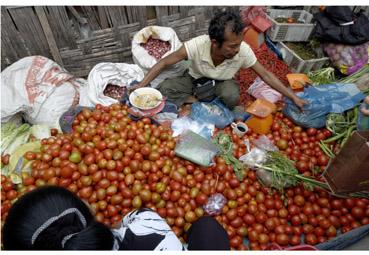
x,y
143,92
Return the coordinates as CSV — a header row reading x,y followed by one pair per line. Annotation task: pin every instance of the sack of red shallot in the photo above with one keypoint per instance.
x,y
108,82
153,43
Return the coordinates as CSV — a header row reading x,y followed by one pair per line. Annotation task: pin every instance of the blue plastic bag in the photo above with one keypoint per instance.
x,y
324,99
214,112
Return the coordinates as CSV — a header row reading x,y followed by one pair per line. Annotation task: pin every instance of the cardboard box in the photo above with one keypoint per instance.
x,y
349,170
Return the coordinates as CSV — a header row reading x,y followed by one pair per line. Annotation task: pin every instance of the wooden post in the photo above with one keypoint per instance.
x,y
102,16
200,18
48,34
75,13
183,11
161,15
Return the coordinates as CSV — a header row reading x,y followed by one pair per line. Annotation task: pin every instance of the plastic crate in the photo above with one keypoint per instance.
x,y
297,64
290,32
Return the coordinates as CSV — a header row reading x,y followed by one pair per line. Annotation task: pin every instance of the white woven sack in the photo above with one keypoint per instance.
x,y
39,89
102,74
142,58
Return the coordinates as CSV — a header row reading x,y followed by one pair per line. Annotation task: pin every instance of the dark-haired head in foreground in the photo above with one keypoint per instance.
x,y
53,218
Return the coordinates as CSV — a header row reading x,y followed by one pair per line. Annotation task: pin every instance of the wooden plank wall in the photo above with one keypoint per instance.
x,y
12,43
61,26
21,35
112,29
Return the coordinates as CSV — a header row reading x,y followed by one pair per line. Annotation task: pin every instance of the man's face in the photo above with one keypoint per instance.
x,y
231,44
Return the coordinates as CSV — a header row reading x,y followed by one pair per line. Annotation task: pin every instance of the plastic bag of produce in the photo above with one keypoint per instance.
x,y
259,89
39,89
249,13
329,98
215,204
150,44
107,82
264,143
254,157
195,148
185,123
258,156
348,59
214,113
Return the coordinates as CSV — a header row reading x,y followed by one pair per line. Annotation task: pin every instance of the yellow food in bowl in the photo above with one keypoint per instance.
x,y
146,100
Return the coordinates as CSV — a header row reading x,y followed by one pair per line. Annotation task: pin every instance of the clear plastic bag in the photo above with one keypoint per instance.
x,y
264,176
215,204
258,156
264,143
185,123
328,98
195,148
254,157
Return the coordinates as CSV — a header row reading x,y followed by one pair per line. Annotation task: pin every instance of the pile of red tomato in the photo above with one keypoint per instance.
x,y
116,164
9,193
301,146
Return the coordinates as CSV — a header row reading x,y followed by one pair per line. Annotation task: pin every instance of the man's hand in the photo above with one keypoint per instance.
x,y
276,84
171,59
300,102
132,88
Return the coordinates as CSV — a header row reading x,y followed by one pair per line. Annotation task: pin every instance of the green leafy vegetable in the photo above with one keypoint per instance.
x,y
322,76
284,173
12,137
225,146
341,125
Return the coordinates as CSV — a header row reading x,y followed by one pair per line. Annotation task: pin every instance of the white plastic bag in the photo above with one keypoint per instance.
x,y
38,88
257,156
264,143
259,89
142,58
215,204
102,74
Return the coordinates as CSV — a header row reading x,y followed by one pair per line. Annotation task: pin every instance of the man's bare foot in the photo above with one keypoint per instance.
x,y
191,99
